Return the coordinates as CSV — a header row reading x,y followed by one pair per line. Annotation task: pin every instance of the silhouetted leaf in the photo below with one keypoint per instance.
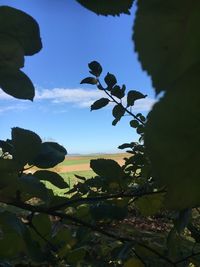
x,y
15,83
118,111
52,177
21,27
11,53
125,145
118,92
140,129
50,155
133,96
107,168
95,68
26,144
89,80
110,80
30,187
134,123
111,7
100,103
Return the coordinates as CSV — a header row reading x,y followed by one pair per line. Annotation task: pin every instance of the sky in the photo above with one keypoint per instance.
x,y
73,36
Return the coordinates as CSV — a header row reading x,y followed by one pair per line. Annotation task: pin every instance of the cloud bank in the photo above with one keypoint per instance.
x,y
78,97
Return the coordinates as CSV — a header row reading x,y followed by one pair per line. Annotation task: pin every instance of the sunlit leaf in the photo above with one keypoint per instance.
x,y
167,38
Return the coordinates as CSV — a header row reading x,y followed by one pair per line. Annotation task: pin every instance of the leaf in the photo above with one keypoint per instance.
x,y
50,155
110,211
110,80
12,230
21,27
95,68
133,262
172,143
26,145
30,187
102,102
76,255
15,83
168,50
43,225
150,204
89,80
111,7
133,96
52,177
107,168
118,111
125,145
134,123
11,52
118,92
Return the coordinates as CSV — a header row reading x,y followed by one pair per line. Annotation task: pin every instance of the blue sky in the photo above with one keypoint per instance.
x,y
72,37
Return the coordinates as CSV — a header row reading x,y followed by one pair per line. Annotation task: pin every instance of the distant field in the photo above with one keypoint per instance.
x,y
80,165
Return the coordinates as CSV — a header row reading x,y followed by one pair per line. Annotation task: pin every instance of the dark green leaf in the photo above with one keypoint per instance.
x,y
108,211
100,103
11,53
107,168
95,68
125,145
111,7
21,27
118,111
27,145
11,242
134,123
50,155
172,142
110,80
52,177
89,80
140,129
118,92
149,205
15,83
133,96
30,187
167,51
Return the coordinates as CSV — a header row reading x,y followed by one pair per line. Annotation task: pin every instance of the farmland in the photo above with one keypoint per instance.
x,y
80,165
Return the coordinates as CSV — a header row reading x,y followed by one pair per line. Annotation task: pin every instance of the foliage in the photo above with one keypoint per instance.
x,y
77,228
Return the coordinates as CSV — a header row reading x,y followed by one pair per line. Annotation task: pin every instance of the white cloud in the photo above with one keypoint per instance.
x,y
144,104
12,107
78,97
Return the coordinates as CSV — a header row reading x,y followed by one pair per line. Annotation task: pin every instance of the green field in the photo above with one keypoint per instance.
x,y
70,160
